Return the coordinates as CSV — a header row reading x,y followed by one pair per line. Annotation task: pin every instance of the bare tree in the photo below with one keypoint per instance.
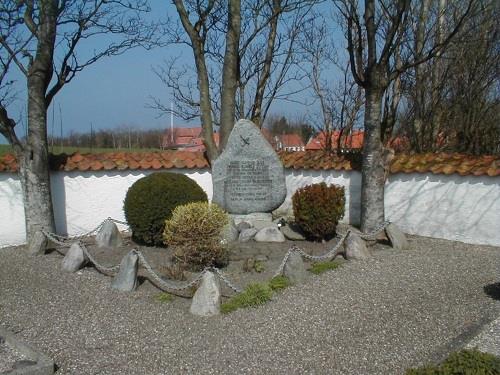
x,y
263,58
340,100
41,38
374,30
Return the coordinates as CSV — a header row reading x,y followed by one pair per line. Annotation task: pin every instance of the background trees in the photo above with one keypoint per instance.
x,y
234,78
41,40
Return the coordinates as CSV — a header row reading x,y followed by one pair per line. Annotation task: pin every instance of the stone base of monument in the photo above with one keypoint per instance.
x,y
258,226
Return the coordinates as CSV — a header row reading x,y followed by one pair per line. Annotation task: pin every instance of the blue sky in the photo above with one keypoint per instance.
x,y
115,91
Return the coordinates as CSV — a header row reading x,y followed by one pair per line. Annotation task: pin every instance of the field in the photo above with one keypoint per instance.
x,y
5,149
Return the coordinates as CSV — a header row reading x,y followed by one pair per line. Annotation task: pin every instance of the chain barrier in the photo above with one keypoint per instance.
x,y
63,240
374,233
162,284
219,273
105,270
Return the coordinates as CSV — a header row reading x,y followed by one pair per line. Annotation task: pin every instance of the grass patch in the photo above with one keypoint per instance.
x,y
464,362
279,283
320,267
164,297
255,294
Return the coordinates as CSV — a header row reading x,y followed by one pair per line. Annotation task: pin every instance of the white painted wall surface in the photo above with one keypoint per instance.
x,y
452,207
461,208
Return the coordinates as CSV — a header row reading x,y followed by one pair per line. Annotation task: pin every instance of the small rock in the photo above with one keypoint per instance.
x,y
108,235
270,234
38,244
230,233
74,259
355,247
206,300
243,225
295,269
261,224
397,238
292,232
126,279
247,234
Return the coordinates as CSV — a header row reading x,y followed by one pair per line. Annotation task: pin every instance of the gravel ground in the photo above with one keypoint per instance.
x,y
380,316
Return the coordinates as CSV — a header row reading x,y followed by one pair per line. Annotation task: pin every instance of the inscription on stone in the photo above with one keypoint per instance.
x,y
247,180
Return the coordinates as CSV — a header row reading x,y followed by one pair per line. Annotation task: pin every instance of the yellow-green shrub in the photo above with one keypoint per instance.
x,y
195,231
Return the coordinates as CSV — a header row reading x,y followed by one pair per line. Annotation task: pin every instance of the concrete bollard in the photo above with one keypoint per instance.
x,y
74,259
126,279
108,235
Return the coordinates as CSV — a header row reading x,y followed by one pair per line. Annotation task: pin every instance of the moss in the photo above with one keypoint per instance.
x,y
255,294
164,297
279,283
464,362
259,266
320,267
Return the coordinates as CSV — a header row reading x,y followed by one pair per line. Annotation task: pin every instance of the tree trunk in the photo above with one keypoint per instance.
x,y
230,73
372,172
34,157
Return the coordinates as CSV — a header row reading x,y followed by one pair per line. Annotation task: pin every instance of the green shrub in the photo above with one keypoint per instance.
x,y
151,200
320,267
464,362
279,282
318,208
195,230
254,295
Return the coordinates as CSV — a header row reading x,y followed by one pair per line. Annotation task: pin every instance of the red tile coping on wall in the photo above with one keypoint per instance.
x,y
437,163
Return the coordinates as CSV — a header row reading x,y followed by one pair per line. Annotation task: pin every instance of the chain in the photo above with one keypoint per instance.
x,y
374,233
280,269
326,256
161,283
105,270
219,273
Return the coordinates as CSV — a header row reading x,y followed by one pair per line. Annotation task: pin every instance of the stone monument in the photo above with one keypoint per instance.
x,y
248,176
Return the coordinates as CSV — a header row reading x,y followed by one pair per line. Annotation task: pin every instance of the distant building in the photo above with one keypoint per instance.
x,y
353,141
190,139
288,142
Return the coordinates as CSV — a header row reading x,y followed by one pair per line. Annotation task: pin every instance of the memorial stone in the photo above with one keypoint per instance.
x,y
248,176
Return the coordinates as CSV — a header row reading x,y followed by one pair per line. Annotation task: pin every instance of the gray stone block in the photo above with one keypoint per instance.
x,y
397,238
206,300
248,176
292,232
74,259
230,233
247,235
355,247
126,279
271,234
108,235
295,269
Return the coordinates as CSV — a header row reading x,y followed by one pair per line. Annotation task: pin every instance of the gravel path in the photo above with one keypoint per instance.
x,y
397,310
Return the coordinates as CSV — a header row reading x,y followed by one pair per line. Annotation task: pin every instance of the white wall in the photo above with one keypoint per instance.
x,y
462,208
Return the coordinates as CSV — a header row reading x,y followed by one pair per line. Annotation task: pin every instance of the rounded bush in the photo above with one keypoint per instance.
x,y
318,208
151,200
195,230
